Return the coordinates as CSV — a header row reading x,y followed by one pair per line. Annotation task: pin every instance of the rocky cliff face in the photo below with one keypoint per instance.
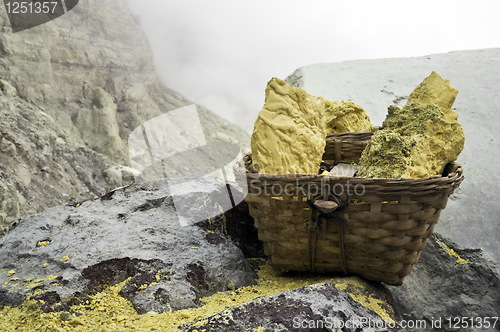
x,y
41,164
91,74
61,65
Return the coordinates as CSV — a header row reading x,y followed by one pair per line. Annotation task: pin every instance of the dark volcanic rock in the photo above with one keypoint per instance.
x,y
319,307
238,225
439,287
69,252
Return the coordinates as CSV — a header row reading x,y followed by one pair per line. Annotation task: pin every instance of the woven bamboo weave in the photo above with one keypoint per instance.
x,y
346,146
378,231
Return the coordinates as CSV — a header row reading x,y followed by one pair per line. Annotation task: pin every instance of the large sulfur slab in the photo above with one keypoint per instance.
x,y
419,139
289,133
344,116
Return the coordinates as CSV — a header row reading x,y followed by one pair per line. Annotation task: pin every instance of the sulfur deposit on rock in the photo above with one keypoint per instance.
x,y
434,90
344,116
289,133
419,139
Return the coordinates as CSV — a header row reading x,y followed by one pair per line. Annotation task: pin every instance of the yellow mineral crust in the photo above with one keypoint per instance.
x,y
454,254
419,139
344,116
289,133
357,291
434,90
108,311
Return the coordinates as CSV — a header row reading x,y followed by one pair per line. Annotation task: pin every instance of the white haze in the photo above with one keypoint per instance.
x,y
221,53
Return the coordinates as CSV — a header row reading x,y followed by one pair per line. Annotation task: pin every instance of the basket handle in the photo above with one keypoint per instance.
x,y
325,210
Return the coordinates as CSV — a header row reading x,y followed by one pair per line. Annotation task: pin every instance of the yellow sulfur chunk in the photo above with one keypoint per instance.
x,y
289,133
419,139
344,116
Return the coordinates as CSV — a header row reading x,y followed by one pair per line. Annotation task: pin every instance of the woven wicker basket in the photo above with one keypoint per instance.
x,y
377,229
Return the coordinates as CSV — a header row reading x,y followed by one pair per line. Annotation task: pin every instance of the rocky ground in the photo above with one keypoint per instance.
x,y
131,238
100,242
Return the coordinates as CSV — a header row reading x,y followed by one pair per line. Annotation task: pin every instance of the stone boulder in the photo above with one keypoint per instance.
x,y
68,253
471,217
350,304
450,283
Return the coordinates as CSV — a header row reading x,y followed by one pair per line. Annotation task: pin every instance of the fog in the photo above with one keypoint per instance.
x,y
221,53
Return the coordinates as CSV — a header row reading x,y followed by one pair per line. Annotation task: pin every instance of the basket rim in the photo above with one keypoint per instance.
x,y
382,186
349,134
356,136
452,172
455,172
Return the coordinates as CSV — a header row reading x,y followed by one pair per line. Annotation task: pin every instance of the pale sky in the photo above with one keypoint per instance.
x,y
222,53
